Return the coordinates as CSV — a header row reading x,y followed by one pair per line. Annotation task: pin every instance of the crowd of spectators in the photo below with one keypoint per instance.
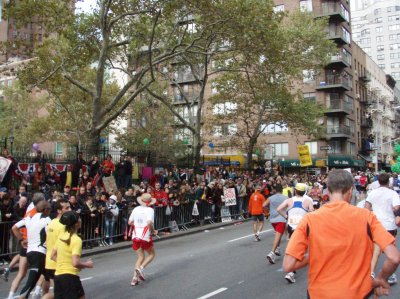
x,y
104,212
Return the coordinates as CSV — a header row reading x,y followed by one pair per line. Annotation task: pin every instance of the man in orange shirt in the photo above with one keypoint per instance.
x,y
340,240
256,210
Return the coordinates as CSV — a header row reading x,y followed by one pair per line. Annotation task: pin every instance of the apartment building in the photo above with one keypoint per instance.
x,y
376,28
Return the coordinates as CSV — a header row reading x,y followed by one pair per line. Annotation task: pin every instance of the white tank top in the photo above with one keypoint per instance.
x,y
296,212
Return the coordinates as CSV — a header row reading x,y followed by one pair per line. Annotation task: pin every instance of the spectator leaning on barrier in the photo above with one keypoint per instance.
x,y
351,229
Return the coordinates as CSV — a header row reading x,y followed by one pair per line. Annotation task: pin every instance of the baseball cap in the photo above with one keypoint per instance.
x,y
301,187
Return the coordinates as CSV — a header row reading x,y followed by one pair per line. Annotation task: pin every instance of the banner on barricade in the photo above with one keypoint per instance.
x,y
109,184
225,214
4,165
229,197
173,226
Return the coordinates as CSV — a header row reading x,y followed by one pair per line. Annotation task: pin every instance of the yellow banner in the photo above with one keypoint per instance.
x,y
304,155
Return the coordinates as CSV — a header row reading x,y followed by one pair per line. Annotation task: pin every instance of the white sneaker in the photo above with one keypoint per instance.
x,y
372,275
290,277
140,274
271,257
392,279
277,251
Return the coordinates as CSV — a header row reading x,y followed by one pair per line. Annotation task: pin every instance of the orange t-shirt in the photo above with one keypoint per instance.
x,y
255,203
340,249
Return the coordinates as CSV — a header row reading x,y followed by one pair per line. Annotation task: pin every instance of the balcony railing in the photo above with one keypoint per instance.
x,y
337,104
337,33
338,130
341,57
331,9
335,81
366,122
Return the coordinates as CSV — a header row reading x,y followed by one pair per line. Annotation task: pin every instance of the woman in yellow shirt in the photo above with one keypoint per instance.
x,y
67,252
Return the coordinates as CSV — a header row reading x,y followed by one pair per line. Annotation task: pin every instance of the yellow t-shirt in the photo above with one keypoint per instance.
x,y
54,230
65,253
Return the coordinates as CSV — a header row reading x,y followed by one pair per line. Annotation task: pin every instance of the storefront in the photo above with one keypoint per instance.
x,y
344,162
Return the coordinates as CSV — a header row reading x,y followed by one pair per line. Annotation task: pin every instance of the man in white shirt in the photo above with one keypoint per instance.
x,y
142,219
383,201
36,247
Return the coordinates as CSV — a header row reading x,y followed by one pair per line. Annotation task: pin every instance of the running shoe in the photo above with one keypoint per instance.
x,y
257,238
140,274
290,277
372,275
135,281
6,274
271,257
392,279
277,251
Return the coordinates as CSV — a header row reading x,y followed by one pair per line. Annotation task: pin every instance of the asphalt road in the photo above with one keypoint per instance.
x,y
220,263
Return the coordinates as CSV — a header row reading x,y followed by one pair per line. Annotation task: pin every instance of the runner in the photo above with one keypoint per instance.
x,y
54,230
278,222
142,219
382,201
293,209
339,241
21,257
256,202
36,250
67,253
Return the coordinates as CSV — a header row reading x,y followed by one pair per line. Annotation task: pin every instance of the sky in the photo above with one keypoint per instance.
x,y
85,5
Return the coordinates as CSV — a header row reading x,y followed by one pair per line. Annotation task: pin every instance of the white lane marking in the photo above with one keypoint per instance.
x,y
264,231
213,293
87,278
206,231
221,228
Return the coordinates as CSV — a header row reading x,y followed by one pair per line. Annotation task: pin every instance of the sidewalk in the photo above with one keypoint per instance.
x,y
161,237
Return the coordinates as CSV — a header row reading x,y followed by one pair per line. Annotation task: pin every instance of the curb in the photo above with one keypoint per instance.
x,y
128,244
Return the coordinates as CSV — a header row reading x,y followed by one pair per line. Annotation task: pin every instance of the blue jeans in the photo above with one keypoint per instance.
x,y
110,223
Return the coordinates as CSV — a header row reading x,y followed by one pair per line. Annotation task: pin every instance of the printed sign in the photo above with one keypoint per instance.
x,y
304,155
229,197
225,214
109,184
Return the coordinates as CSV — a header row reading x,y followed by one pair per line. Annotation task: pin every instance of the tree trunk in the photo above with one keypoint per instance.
x,y
249,160
93,144
196,154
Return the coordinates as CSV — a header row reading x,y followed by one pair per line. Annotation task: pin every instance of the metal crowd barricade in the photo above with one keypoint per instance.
x,y
8,243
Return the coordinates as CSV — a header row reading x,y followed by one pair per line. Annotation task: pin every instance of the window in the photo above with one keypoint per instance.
x,y
395,65
381,57
214,89
378,20
217,131
394,46
396,75
395,55
377,11
336,147
365,31
382,66
308,76
274,128
9,82
349,123
367,50
224,130
380,48
366,40
379,29
310,97
224,108
313,146
59,149
306,5
394,27
390,9
232,129
351,148
379,38
347,35
281,149
345,12
394,18
279,8
394,36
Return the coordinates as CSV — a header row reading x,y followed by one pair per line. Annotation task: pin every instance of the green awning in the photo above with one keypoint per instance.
x,y
288,163
359,163
340,161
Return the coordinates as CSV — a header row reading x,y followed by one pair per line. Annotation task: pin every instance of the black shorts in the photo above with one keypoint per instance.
x,y
68,286
36,260
258,217
290,231
393,232
22,251
49,274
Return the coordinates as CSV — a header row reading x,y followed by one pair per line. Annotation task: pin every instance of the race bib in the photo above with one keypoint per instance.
x,y
294,220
